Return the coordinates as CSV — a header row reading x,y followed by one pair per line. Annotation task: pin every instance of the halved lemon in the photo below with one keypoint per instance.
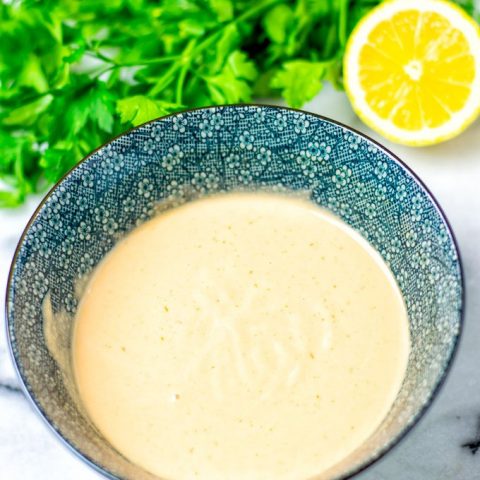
x,y
412,70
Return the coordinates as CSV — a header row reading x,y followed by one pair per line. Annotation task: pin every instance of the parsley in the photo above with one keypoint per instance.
x,y
73,74
300,80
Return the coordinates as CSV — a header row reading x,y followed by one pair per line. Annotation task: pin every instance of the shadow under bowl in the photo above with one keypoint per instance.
x,y
185,156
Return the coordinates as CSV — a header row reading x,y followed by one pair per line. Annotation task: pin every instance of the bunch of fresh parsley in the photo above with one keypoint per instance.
x,y
75,73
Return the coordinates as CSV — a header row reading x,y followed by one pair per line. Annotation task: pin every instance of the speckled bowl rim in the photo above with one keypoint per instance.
x,y
383,450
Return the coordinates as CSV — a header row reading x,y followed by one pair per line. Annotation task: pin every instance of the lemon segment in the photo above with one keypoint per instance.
x,y
412,70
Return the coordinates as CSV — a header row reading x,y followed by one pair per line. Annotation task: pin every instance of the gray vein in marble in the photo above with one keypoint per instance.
x,y
474,445
10,388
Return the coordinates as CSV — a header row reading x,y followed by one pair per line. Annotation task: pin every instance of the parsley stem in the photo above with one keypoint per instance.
x,y
342,22
105,70
255,10
100,56
164,80
151,61
183,72
180,81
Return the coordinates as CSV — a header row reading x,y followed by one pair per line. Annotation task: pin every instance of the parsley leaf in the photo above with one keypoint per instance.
x,y
277,23
299,81
232,85
140,109
27,114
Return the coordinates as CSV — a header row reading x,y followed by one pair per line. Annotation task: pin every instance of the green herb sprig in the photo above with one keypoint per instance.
x,y
74,74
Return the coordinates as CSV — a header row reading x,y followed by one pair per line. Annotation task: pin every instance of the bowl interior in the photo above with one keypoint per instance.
x,y
184,156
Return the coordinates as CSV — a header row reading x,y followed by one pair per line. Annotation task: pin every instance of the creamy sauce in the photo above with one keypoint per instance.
x,y
244,336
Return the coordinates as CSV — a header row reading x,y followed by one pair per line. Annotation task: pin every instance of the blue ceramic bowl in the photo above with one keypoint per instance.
x,y
183,156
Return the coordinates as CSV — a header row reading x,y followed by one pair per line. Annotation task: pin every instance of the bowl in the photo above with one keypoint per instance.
x,y
187,155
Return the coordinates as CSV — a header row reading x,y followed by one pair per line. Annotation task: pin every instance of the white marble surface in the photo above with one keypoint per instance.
x,y
432,451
